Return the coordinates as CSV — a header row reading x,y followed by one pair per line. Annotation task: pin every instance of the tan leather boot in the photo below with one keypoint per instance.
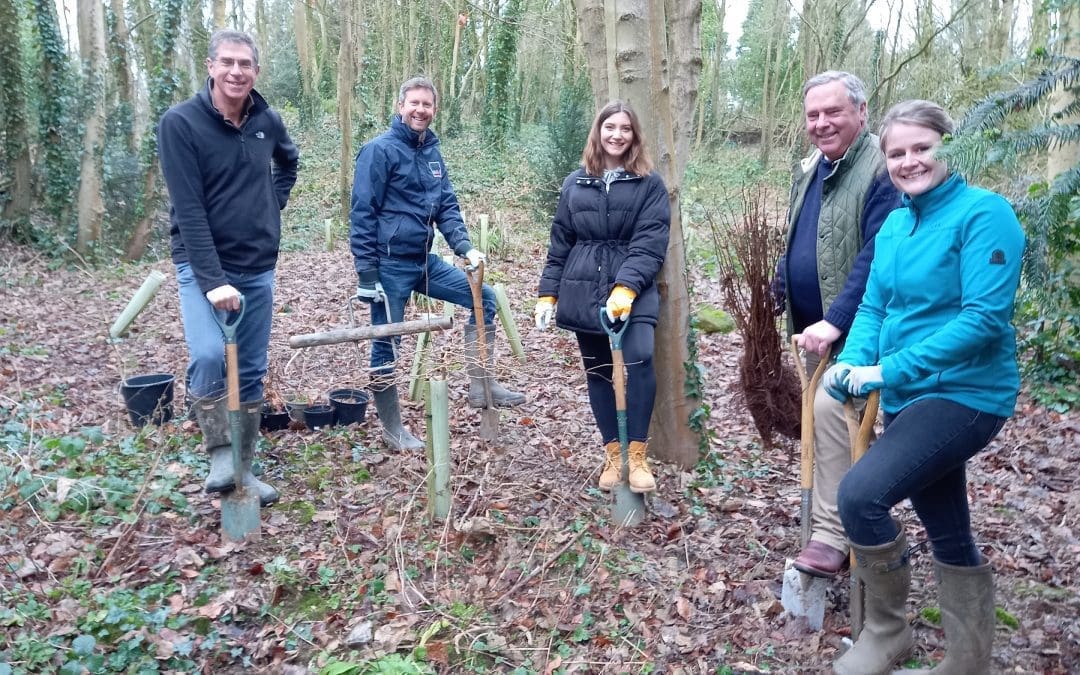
x,y
641,478
612,473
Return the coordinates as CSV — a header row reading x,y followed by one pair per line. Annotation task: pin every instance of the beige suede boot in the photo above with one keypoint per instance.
x,y
641,478
612,473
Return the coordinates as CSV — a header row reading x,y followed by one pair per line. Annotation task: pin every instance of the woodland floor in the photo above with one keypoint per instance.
x,y
529,574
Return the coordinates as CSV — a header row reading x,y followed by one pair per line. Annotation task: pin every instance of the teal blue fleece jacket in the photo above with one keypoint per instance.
x,y
938,305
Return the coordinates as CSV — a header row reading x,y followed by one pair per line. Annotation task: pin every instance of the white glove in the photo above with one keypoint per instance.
x,y
864,379
475,257
543,313
225,298
374,293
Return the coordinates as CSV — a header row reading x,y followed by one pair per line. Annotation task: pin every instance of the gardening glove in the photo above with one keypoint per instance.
x,y
618,303
545,308
474,257
835,381
370,288
225,298
864,379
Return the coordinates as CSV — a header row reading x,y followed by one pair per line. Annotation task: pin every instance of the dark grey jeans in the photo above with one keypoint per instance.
x,y
921,457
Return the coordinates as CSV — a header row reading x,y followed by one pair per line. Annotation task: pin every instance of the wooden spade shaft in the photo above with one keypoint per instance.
x,y
859,435
806,438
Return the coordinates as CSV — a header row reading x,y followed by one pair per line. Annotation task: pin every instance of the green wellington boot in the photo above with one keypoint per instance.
x,y
966,595
500,396
386,404
886,635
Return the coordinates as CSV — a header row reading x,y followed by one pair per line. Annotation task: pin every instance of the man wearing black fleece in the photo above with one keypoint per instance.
x,y
229,165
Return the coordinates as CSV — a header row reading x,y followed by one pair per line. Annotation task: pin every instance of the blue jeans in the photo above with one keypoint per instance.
x,y
434,278
921,457
637,348
206,345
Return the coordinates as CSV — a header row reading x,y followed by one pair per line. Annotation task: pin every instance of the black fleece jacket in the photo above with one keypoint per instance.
x,y
227,186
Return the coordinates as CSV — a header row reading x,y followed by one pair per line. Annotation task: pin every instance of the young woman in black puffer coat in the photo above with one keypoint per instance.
x,y
608,242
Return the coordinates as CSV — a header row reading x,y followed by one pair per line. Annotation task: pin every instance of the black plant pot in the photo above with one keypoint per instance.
x,y
274,420
148,398
350,405
318,416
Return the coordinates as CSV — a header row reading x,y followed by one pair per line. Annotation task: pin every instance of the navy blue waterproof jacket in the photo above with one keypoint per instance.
x,y
401,191
227,186
603,236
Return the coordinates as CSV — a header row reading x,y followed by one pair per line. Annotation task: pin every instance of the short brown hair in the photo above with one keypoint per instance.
x,y
636,160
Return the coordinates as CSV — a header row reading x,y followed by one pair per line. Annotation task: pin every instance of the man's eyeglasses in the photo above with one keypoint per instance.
x,y
243,64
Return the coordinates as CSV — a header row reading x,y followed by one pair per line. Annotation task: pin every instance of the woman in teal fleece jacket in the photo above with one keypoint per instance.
x,y
933,332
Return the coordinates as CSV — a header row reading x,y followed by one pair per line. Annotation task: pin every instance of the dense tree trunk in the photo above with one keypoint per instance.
x,y
16,189
163,83
91,208
657,56
351,19
53,119
217,14
1063,157
305,53
121,68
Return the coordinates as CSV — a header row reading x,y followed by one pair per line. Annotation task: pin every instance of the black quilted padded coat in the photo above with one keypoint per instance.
x,y
602,236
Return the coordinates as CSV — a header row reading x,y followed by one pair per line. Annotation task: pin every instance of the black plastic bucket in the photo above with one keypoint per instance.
x,y
273,420
350,405
318,416
148,398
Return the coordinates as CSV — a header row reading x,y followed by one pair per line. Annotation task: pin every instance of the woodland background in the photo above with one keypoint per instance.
x,y
111,560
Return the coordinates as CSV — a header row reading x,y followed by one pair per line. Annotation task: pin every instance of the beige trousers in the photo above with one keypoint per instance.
x,y
832,459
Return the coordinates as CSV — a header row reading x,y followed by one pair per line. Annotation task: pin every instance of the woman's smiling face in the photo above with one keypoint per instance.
x,y
909,156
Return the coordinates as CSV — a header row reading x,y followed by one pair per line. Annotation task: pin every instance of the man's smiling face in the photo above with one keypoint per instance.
x,y
418,109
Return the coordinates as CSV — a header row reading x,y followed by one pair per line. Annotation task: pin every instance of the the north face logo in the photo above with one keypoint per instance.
x,y
997,257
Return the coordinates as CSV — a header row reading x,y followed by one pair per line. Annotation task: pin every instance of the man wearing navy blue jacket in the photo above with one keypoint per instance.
x,y
229,165
840,196
401,193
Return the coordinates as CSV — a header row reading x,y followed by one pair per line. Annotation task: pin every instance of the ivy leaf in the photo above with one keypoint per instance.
x,y
83,645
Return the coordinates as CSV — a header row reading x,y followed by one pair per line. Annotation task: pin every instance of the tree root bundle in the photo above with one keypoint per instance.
x,y
747,246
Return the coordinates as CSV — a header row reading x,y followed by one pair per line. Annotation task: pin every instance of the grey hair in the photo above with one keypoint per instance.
x,y
418,82
236,36
856,90
918,112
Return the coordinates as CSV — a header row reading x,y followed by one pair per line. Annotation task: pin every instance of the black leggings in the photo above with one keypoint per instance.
x,y
637,349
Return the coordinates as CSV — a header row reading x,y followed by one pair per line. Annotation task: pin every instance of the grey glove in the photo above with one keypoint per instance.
x,y
370,288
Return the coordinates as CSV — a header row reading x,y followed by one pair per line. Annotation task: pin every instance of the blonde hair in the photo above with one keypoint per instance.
x,y
636,160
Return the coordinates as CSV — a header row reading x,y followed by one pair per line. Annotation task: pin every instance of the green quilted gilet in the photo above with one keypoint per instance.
x,y
843,196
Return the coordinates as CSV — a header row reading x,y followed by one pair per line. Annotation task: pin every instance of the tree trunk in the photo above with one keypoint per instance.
x,y
91,208
305,54
13,125
53,116
1063,157
657,55
162,93
346,78
217,14
118,55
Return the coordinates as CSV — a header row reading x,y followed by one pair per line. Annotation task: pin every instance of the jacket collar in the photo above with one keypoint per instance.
x,y
414,139
256,103
810,163
937,198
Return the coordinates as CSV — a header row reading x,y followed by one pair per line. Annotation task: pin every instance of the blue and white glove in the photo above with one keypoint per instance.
x,y
835,381
475,257
864,379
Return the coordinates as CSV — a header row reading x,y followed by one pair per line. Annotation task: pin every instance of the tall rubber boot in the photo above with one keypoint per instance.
x,y
386,404
250,417
612,473
966,595
213,417
500,396
886,635
641,478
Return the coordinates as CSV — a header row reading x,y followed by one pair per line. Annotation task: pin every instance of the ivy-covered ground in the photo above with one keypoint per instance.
x,y
111,558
